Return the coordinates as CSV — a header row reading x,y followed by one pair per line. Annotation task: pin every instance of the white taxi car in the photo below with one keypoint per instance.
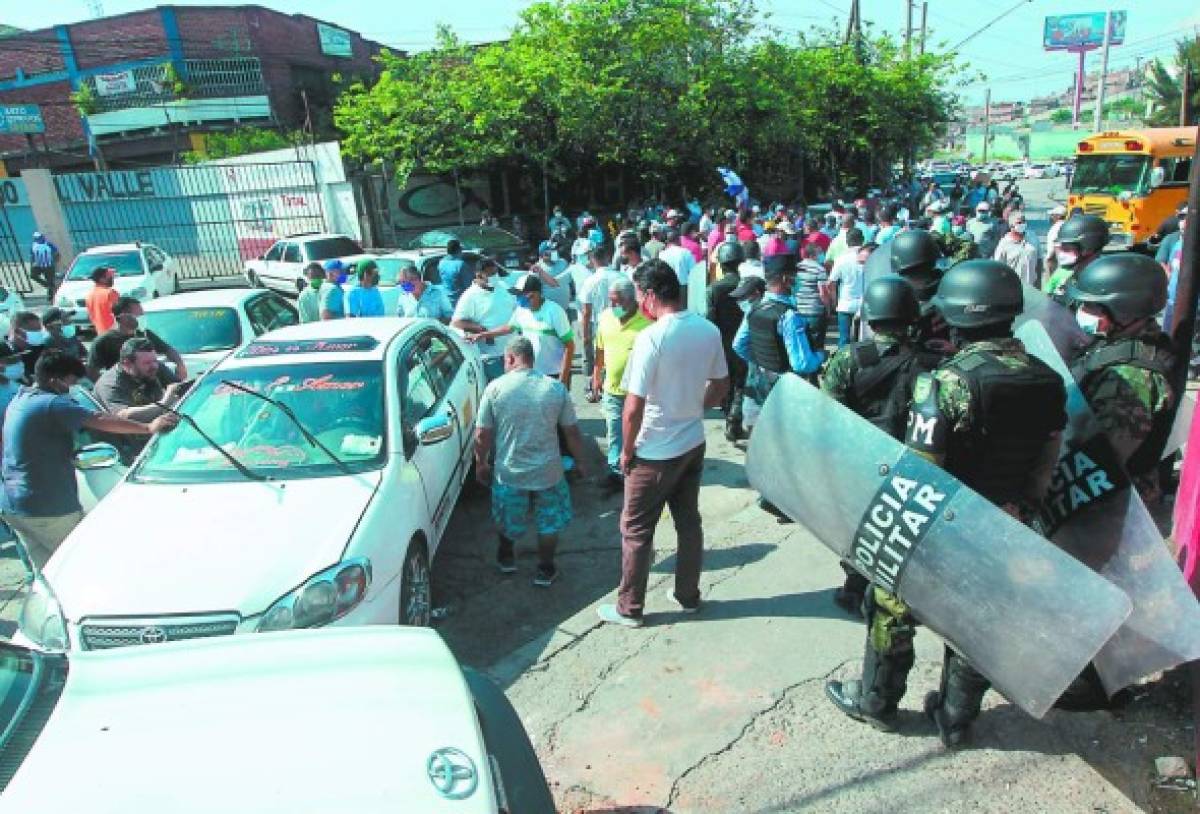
x,y
309,482
144,272
134,727
281,267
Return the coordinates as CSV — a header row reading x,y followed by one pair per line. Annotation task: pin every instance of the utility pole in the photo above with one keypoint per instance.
x,y
924,15
1185,87
908,28
1099,125
987,121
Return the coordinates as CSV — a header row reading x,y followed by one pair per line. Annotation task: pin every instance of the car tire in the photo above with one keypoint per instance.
x,y
416,586
252,278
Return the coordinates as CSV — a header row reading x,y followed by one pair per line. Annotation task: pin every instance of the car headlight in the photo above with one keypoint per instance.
x,y
322,598
65,302
42,619
138,292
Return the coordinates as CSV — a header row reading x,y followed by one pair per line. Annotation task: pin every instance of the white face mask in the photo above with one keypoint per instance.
x,y
1019,228
1066,259
1090,323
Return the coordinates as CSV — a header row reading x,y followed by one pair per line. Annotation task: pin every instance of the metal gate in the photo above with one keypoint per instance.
x,y
211,218
14,274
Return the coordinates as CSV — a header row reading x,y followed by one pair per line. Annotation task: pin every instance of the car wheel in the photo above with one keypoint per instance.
x,y
252,278
416,598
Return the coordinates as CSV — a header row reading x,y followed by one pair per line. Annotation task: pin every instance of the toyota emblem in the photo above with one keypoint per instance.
x,y
152,635
452,773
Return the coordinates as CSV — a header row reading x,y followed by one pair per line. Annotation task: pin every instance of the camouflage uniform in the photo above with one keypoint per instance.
x,y
837,375
956,248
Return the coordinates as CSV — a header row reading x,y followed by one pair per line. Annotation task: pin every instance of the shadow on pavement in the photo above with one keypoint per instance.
x,y
810,605
718,559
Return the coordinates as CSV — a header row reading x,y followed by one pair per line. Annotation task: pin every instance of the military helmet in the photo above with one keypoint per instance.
x,y
890,298
1089,231
914,250
730,254
1130,285
975,293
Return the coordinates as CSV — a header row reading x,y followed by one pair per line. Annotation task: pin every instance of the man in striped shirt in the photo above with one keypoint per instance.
x,y
811,280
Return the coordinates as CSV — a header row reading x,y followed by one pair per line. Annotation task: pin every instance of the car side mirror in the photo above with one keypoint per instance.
x,y
434,429
1157,176
97,456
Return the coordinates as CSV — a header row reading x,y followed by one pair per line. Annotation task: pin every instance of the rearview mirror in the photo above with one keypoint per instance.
x,y
434,429
1157,176
97,456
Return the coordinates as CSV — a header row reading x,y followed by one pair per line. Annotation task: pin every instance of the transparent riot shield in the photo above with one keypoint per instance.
x,y
697,289
1028,616
1094,513
1058,321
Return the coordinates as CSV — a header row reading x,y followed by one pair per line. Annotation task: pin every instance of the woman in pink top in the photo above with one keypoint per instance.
x,y
688,241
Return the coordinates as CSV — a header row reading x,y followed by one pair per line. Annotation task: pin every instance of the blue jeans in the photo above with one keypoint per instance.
x,y
845,324
613,406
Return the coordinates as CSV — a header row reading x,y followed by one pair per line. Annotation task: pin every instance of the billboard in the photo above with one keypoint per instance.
x,y
21,119
1069,32
334,41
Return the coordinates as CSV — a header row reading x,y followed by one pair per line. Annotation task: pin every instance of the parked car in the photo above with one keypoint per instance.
x,y
144,272
428,735
281,267
206,325
508,249
98,464
308,483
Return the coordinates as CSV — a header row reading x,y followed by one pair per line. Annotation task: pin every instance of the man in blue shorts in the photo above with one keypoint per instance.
x,y
519,418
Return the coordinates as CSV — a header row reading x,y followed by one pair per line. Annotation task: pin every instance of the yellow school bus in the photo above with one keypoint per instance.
x,y
1134,179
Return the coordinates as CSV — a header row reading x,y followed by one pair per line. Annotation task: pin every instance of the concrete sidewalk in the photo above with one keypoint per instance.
x,y
724,711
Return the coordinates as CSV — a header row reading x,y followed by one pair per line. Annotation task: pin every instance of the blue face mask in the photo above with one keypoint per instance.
x,y
341,278
523,300
618,312
68,331
408,287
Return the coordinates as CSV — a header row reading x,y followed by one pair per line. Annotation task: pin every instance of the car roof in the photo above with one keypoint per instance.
x,y
381,329
208,297
113,247
304,237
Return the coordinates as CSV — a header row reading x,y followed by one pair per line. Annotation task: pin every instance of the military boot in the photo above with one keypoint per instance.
x,y
956,705
850,596
874,699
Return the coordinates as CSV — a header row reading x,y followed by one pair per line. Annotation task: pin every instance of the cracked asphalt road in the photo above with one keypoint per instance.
x,y
724,711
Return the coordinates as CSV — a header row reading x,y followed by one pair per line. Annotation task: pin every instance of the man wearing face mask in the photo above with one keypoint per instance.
x,y
544,324
364,300
309,301
29,338
101,299
1017,251
12,376
992,416
482,307
57,322
1080,241
1125,372
134,390
333,297
617,329
106,350
39,498
557,283
422,299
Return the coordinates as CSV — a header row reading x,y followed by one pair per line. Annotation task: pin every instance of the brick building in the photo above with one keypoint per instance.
x,y
155,80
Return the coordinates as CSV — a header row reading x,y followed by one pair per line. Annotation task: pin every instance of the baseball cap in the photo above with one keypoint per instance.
x,y
335,265
545,247
748,286
786,227
1059,210
363,266
56,314
526,284
983,207
778,265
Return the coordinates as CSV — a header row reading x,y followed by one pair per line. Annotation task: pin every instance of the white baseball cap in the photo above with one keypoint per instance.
x,y
983,207
1059,210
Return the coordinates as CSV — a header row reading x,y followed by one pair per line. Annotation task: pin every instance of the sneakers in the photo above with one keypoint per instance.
x,y
545,576
610,614
506,562
682,608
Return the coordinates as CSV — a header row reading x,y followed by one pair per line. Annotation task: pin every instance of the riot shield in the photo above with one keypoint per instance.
x,y
697,289
1028,616
1094,513
1059,321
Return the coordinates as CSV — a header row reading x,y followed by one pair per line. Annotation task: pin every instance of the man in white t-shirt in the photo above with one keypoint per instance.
x,y
485,305
593,299
847,275
675,371
544,324
679,259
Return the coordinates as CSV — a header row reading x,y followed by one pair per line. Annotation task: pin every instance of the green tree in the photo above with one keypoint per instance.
x,y
1061,116
1164,86
240,142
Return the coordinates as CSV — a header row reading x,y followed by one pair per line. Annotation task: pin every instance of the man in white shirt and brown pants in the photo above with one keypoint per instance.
x,y
676,370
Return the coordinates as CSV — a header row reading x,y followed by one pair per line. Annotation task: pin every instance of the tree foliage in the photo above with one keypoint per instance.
x,y
240,142
666,89
1164,86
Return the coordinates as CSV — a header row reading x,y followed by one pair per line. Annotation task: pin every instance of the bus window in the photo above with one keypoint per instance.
x,y
1112,174
1175,170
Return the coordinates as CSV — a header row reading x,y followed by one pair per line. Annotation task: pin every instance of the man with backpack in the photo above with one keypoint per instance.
x,y
874,378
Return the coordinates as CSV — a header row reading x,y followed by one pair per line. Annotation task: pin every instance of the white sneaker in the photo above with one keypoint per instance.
x,y
682,608
610,614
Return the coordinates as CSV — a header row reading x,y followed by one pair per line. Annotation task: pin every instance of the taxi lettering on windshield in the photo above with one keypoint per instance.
x,y
347,344
284,384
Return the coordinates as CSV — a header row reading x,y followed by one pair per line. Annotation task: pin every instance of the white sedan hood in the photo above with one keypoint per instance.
x,y
151,549
338,720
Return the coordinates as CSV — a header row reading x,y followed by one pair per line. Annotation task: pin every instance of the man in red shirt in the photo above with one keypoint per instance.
x,y
101,299
813,234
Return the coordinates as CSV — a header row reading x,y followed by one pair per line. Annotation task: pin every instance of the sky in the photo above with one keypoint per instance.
x,y
1009,53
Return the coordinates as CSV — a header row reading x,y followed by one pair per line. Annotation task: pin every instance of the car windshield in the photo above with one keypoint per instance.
x,y
196,330
328,248
479,238
389,270
1111,174
127,264
341,403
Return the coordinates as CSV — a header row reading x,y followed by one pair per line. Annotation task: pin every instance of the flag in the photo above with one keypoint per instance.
x,y
734,186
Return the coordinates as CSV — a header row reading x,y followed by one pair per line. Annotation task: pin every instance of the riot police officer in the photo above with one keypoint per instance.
x,y
991,415
914,254
874,379
1125,372
1080,241
725,312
